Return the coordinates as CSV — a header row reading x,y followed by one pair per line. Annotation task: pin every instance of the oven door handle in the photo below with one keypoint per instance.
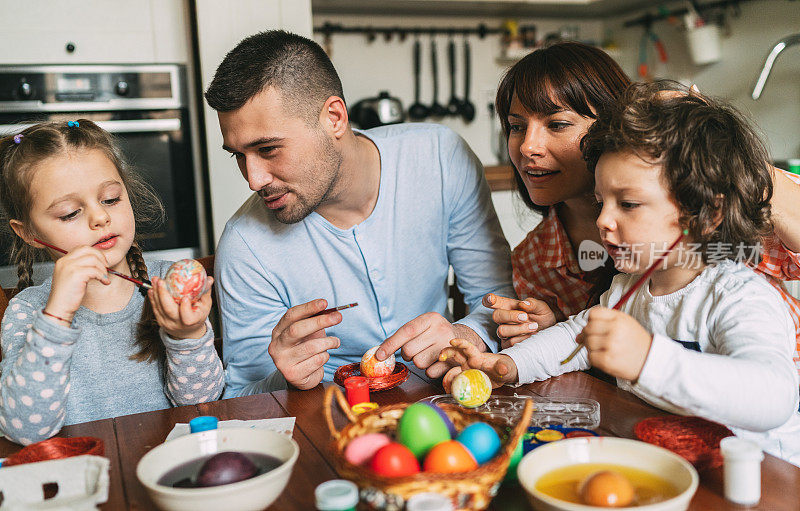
x,y
123,126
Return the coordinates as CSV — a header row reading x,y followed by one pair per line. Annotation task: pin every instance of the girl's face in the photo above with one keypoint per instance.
x,y
545,149
78,199
638,219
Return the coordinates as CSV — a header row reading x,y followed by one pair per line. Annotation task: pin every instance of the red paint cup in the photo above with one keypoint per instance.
x,y
357,388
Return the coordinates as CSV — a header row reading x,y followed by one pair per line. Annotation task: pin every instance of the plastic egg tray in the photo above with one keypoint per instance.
x,y
548,412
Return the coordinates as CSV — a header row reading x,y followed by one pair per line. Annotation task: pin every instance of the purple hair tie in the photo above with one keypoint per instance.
x,y
18,138
73,124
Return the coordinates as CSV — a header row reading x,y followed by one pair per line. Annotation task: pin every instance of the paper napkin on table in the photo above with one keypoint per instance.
x,y
283,425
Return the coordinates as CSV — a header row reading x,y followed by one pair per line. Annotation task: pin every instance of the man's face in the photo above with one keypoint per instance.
x,y
293,166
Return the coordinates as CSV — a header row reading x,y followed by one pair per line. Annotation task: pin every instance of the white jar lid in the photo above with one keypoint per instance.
x,y
735,448
336,495
429,502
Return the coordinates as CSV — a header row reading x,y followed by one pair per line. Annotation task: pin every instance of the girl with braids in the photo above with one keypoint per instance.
x,y
85,345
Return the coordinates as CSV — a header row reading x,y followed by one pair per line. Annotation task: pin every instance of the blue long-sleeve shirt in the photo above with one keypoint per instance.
x,y
433,210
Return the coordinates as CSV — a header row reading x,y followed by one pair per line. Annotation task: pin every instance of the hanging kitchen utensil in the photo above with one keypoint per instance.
x,y
454,105
436,110
467,109
417,111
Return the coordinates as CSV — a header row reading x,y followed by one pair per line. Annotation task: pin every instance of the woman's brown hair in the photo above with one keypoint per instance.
x,y
19,156
713,162
564,75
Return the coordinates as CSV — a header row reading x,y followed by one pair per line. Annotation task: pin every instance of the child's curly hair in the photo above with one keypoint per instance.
x,y
713,162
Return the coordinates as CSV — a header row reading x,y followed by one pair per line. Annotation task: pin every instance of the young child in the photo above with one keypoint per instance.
x,y
705,335
86,345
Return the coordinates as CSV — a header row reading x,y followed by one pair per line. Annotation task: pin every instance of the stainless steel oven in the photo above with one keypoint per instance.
x,y
146,108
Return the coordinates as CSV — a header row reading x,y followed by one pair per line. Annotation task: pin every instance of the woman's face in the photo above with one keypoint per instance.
x,y
545,149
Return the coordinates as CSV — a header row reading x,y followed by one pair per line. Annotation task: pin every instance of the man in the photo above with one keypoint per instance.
x,y
338,216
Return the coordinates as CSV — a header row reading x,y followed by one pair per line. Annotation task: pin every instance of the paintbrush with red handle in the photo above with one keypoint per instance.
x,y
141,283
634,287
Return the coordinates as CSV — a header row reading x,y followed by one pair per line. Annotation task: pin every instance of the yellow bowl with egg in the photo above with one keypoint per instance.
x,y
559,467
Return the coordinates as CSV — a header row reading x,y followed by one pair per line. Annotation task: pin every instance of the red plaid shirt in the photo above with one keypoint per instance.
x,y
545,268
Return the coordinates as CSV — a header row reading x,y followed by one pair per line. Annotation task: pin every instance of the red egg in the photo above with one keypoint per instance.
x,y
449,457
394,460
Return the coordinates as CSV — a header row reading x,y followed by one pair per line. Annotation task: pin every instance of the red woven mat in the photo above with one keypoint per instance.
x,y
398,376
694,438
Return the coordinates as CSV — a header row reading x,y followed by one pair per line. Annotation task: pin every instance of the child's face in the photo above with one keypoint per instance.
x,y
79,200
639,219
545,149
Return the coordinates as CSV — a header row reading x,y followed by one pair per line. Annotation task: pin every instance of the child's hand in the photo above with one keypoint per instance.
x,y
71,274
184,321
616,342
518,319
500,369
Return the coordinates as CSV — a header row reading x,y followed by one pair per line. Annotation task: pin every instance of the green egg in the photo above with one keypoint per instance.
x,y
420,428
516,457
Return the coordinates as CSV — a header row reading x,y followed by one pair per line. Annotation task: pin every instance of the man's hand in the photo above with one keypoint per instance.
x,y
299,346
462,354
518,319
616,342
423,338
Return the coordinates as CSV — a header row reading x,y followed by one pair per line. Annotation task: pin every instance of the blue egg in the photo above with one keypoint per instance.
x,y
481,440
450,426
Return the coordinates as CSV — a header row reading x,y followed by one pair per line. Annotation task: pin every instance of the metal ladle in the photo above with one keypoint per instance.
x,y
454,105
417,111
436,109
467,109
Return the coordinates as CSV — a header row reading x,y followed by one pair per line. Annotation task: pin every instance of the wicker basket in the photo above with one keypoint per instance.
x,y
469,490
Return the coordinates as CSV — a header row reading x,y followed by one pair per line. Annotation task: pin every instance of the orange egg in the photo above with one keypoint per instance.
x,y
449,457
606,489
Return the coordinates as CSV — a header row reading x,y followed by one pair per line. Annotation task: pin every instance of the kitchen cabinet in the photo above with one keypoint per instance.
x,y
512,8
93,31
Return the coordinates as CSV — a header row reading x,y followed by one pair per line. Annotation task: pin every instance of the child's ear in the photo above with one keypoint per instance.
x,y
717,214
20,230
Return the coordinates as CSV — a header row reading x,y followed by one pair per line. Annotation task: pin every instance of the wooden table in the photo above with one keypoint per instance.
x,y
128,438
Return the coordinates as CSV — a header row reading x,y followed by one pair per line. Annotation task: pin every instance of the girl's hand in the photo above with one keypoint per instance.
x,y
72,273
616,342
500,369
184,321
518,319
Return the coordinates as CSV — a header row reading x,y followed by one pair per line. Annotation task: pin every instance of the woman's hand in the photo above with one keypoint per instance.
x,y
186,320
518,319
500,368
71,274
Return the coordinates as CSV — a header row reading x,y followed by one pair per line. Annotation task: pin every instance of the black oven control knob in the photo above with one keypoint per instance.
x,y
122,88
24,89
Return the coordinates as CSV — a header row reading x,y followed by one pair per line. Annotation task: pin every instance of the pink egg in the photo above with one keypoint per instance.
x,y
362,448
186,278
371,368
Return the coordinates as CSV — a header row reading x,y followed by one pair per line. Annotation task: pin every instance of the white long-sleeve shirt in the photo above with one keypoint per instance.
x,y
742,376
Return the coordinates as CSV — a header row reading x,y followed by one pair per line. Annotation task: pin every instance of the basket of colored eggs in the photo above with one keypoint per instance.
x,y
399,450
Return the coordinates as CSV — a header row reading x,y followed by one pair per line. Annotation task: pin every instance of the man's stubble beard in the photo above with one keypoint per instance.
x,y
319,192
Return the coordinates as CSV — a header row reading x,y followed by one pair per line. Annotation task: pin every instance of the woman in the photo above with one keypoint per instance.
x,y
546,102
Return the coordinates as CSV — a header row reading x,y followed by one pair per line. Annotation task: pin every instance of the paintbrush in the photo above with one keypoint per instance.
x,y
334,309
141,283
634,287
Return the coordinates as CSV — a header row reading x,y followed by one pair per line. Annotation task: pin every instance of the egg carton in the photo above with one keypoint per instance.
x,y
547,412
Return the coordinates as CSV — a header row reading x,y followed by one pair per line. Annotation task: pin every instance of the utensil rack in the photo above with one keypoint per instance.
x,y
649,18
388,33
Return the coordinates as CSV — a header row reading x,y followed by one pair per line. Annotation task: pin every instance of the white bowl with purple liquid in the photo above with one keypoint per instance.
x,y
179,461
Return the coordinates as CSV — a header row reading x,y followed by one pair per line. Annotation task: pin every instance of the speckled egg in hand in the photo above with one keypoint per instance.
x,y
372,368
186,278
471,388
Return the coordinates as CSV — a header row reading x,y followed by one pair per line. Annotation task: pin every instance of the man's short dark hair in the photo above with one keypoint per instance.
x,y
292,64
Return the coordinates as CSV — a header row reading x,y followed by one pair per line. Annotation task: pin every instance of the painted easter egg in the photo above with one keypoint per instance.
x,y
362,448
394,460
372,368
447,422
449,457
516,457
420,428
471,388
186,278
481,440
